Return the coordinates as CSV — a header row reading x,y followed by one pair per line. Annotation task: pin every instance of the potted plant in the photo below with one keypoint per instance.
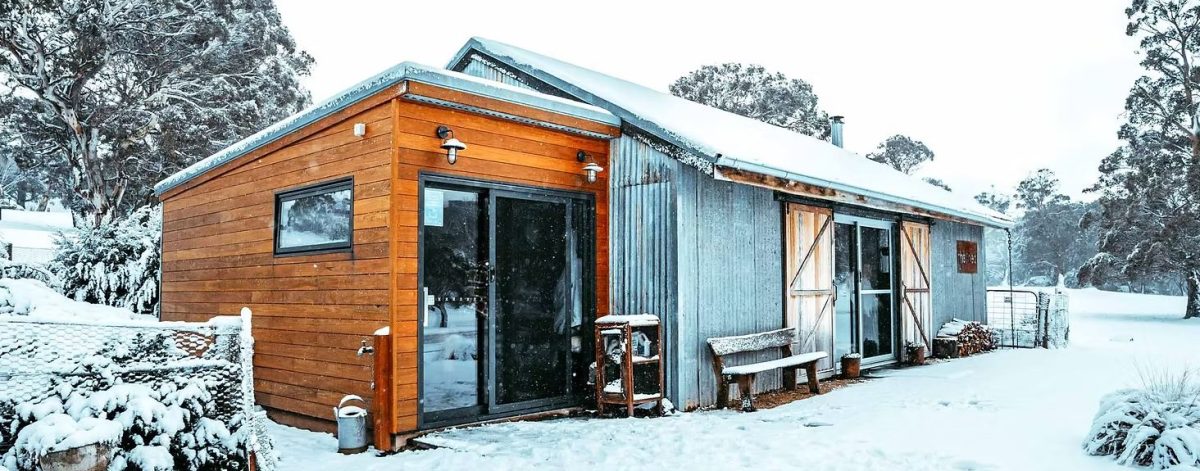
x,y
916,353
851,362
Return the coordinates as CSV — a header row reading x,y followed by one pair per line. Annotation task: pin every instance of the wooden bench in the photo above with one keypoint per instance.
x,y
744,374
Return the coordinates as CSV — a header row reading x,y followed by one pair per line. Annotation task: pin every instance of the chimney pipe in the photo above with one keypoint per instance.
x,y
835,130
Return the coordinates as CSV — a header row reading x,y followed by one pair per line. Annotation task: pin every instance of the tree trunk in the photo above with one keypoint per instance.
x,y
1193,295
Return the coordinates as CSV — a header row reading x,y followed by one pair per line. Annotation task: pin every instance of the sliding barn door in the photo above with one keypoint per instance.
x,y
916,296
808,271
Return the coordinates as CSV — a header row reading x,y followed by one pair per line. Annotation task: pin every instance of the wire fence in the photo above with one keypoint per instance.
x,y
1029,319
36,357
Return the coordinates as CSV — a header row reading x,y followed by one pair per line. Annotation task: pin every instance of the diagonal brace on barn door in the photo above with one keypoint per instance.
x,y
811,249
820,316
912,310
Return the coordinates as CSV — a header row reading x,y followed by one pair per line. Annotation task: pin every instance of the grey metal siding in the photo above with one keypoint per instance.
x,y
485,70
704,255
730,274
642,250
956,295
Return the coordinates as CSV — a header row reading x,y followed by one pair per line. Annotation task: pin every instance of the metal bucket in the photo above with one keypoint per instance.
x,y
351,426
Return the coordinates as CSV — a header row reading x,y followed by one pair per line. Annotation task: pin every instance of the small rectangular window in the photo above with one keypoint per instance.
x,y
318,218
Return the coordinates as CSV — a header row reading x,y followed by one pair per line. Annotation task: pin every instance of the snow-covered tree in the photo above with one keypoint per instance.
x,y
1039,189
999,202
111,96
1047,240
752,91
937,182
114,263
902,153
1149,190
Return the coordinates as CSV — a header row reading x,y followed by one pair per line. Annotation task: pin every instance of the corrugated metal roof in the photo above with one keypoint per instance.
x,y
403,71
729,140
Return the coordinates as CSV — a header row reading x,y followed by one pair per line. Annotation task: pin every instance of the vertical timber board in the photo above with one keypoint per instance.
x,y
809,291
914,268
311,311
498,151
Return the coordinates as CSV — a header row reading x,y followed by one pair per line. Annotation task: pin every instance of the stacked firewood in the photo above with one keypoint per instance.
x,y
959,338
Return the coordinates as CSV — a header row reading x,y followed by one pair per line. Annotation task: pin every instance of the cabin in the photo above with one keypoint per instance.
x,y
442,240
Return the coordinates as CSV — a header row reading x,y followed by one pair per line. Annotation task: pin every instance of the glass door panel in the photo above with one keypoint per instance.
x,y
876,258
877,325
863,270
455,294
535,299
845,285
875,300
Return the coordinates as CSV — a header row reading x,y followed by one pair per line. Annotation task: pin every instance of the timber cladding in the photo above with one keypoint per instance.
x,y
311,311
497,150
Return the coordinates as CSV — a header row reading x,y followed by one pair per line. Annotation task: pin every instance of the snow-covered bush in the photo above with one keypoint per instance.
x,y
1157,426
116,264
28,271
164,428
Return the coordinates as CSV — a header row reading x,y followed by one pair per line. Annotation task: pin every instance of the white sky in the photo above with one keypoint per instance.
x,y
996,89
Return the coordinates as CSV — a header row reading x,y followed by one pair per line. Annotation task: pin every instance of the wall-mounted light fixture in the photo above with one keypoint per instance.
x,y
591,169
450,144
360,129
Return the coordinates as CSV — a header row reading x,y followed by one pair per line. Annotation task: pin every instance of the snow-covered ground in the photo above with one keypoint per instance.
x,y
32,300
1012,409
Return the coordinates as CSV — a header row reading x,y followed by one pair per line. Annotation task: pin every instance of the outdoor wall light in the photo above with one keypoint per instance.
x,y
450,144
591,169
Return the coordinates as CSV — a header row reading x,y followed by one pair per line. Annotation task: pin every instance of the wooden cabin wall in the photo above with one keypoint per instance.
x,y
500,151
310,311
956,295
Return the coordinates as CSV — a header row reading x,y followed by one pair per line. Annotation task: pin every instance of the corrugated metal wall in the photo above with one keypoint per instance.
x,y
484,70
956,295
730,276
642,227
704,255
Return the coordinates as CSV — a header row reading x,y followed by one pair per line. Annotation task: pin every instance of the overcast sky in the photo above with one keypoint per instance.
x,y
996,89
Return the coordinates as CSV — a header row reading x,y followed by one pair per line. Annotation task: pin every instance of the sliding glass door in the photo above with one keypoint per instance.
x,y
864,278
503,288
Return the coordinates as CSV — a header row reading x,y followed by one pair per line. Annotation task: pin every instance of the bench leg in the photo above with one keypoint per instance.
x,y
746,388
814,384
722,392
789,378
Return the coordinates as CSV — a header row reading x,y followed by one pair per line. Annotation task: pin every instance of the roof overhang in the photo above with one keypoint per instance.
x,y
712,158
766,177
398,77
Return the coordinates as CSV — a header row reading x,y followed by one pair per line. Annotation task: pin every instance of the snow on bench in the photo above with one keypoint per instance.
x,y
794,360
635,320
744,374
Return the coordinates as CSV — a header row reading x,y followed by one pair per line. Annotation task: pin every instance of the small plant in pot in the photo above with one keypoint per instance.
x,y
851,363
916,353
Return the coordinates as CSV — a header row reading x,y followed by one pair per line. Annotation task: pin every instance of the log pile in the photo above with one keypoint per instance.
x,y
959,338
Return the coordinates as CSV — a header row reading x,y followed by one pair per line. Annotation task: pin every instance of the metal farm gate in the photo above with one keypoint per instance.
x,y
1029,319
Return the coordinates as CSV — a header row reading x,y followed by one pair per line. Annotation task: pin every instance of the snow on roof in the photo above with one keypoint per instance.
x,y
33,229
731,140
400,72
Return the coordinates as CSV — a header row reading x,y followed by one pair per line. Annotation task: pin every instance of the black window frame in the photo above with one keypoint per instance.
x,y
311,190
